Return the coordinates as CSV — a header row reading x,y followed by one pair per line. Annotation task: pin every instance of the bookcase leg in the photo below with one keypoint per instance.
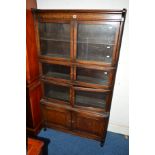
x,y
102,143
44,126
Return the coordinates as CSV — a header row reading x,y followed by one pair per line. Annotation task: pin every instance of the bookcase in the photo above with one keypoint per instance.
x,y
78,52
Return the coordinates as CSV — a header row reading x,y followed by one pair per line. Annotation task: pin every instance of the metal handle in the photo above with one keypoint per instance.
x,y
105,73
73,121
74,16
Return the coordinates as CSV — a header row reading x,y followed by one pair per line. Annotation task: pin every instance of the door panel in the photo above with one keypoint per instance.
x,y
93,77
54,39
57,116
87,97
89,123
55,71
97,41
58,92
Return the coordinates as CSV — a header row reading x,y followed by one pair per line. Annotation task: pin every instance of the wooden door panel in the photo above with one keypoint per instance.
x,y
56,116
89,123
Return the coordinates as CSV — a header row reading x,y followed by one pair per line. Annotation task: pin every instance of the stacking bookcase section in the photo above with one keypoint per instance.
x,y
92,99
78,52
59,93
56,72
94,76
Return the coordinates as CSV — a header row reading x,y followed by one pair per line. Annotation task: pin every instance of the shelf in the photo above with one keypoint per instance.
x,y
78,42
91,58
95,43
56,40
90,102
55,55
91,80
57,75
58,95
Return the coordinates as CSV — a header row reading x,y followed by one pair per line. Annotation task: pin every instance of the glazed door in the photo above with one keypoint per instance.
x,y
94,76
57,93
55,39
56,72
96,42
91,99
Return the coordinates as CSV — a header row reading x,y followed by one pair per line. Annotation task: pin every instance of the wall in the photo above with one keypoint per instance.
x,y
119,119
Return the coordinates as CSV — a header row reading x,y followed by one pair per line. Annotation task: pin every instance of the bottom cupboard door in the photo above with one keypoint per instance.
x,y
56,117
89,124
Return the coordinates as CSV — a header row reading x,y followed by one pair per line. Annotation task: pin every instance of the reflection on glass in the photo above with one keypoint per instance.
x,y
96,42
55,39
90,99
56,71
56,92
92,76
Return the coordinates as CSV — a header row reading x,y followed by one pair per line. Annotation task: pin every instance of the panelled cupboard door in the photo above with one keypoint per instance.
x,y
96,42
89,123
56,116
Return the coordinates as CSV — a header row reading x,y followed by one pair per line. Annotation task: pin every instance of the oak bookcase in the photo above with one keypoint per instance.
x,y
78,52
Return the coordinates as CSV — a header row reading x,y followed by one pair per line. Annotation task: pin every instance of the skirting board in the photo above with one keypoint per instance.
x,y
121,129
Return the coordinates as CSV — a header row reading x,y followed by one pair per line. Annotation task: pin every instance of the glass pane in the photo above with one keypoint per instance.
x,y
93,76
90,99
55,39
96,42
56,71
56,92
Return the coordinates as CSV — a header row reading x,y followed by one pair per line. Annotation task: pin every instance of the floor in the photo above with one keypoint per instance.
x,y
67,144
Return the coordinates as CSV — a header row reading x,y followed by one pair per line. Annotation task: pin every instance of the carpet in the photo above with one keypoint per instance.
x,y
67,144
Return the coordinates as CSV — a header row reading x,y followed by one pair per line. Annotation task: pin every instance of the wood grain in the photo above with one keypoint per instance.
x,y
34,147
33,89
